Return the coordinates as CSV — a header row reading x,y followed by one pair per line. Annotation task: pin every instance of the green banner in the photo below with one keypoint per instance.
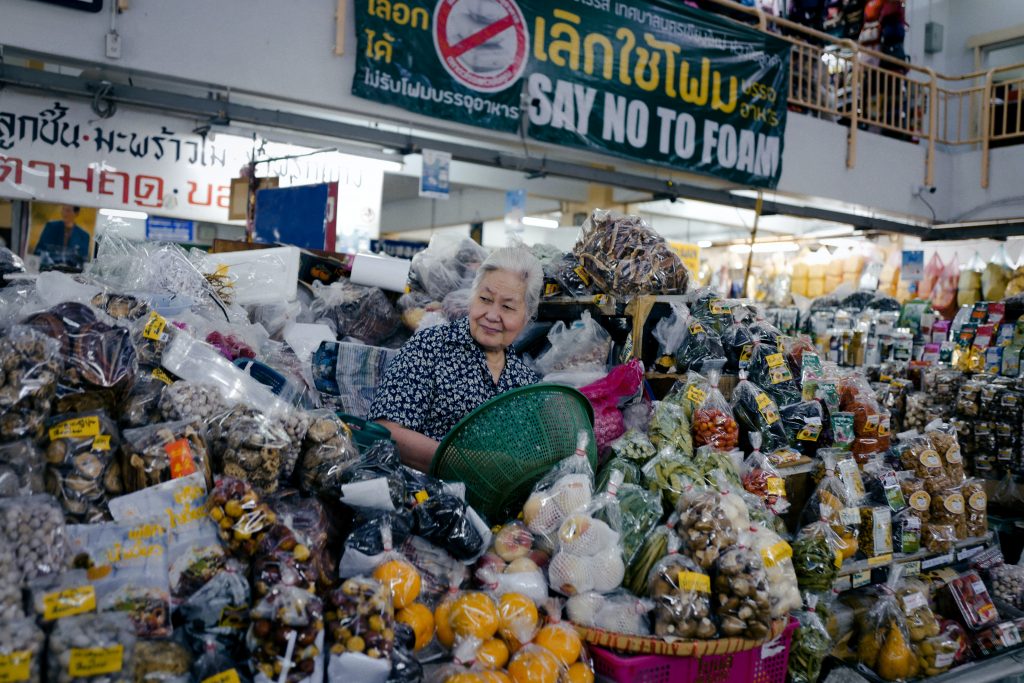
x,y
642,80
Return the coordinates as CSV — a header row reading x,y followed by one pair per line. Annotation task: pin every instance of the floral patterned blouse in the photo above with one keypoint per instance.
x,y
439,377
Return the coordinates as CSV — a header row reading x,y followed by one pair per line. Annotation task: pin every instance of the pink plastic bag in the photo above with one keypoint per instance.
x,y
604,395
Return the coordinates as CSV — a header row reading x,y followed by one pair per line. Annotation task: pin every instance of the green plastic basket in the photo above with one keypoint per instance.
x,y
364,432
503,447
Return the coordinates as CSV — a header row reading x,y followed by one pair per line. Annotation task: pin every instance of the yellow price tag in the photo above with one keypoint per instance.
x,y
101,443
15,666
776,554
78,428
776,486
154,328
159,374
880,560
422,496
839,560
229,676
67,603
692,581
774,360
696,394
95,661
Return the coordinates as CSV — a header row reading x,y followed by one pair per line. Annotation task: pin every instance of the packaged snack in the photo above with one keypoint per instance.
x,y
670,427
950,509
976,508
744,605
21,469
875,531
31,363
769,370
843,431
360,621
681,592
161,452
81,469
93,647
906,532
916,455
755,411
968,599
327,452
241,516
21,650
709,522
938,538
286,637
943,439
811,644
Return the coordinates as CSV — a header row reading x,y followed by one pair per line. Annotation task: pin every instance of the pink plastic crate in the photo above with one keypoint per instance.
x,y
765,664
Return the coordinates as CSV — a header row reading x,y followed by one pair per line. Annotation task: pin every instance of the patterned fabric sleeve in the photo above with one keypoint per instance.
x,y
404,394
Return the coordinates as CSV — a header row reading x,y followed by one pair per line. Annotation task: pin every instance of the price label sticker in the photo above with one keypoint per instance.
x,y
775,360
810,432
955,504
179,453
15,666
777,553
914,601
101,443
880,560
931,459
696,328
920,500
582,275
67,603
696,394
79,428
162,376
776,486
858,579
978,501
229,676
692,581
154,328
95,661
911,568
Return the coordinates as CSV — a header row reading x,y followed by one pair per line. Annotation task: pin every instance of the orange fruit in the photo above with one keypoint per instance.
x,y
496,677
442,622
492,654
579,673
518,617
534,665
418,617
476,615
402,578
560,640
465,677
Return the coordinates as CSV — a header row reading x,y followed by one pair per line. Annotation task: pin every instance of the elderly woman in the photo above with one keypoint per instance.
x,y
444,372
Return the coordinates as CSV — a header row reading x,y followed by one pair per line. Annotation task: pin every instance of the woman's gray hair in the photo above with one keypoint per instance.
x,y
519,261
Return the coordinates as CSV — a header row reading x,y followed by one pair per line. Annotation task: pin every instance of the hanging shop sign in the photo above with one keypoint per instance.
x,y
690,255
160,229
435,173
57,150
646,81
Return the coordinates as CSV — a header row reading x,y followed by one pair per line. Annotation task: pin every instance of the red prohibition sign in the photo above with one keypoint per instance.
x,y
481,43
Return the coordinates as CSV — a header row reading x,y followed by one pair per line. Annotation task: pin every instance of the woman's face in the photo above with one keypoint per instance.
x,y
497,311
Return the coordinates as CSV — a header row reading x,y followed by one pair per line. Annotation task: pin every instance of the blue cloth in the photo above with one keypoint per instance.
x,y
52,250
440,376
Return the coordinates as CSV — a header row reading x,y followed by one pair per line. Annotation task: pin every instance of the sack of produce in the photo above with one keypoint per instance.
x,y
286,637
641,510
670,474
242,517
811,644
568,486
738,343
700,346
669,333
755,411
654,547
625,257
583,346
969,283
670,428
81,647
21,469
32,364
713,422
762,479
885,645
681,592
743,604
692,389
82,471
619,612
721,469
160,452
21,648
709,522
817,554
327,452
777,556
711,310
605,394
808,426
360,623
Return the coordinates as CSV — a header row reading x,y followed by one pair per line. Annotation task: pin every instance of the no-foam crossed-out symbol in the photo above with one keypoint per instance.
x,y
483,44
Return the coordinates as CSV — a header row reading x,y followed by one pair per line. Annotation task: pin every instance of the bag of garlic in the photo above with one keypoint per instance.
x,y
619,612
777,556
589,552
681,592
568,486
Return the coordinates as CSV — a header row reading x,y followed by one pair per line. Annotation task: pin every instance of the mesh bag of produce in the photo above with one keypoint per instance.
x,y
568,486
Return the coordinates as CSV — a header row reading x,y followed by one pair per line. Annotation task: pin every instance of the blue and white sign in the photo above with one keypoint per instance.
x,y
515,208
912,268
435,174
170,230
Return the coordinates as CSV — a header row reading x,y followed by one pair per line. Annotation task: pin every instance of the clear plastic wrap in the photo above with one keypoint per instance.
x,y
699,347
161,452
251,446
710,522
360,622
448,522
670,474
741,585
99,648
21,650
681,592
810,646
286,637
807,426
81,469
777,556
817,556
568,486
762,479
33,529
604,395
916,455
617,612
446,265
218,614
770,371
669,333
654,548
363,313
885,645
327,452
755,411
625,257
162,660
633,446
240,514
583,346
21,469
713,421
670,428
976,507
30,364
640,511
943,439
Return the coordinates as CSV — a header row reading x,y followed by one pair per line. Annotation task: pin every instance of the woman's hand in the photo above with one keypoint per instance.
x,y
415,449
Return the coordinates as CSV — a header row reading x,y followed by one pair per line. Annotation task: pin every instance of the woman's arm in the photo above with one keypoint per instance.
x,y
415,449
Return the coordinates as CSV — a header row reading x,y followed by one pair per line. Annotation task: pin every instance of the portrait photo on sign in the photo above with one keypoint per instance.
x,y
61,235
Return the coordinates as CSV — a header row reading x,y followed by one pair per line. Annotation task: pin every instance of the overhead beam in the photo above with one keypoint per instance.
x,y
217,109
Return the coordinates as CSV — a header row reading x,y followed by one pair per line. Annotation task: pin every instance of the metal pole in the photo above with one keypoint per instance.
x,y
753,238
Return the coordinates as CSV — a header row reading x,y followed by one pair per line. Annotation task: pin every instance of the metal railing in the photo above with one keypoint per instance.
x,y
861,88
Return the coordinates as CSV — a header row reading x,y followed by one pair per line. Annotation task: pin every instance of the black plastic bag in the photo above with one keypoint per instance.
x,y
770,371
806,424
700,345
444,521
738,342
755,411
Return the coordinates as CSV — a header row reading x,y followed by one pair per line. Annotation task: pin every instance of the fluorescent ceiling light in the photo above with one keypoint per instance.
x,y
535,222
704,244
764,247
828,232
118,213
